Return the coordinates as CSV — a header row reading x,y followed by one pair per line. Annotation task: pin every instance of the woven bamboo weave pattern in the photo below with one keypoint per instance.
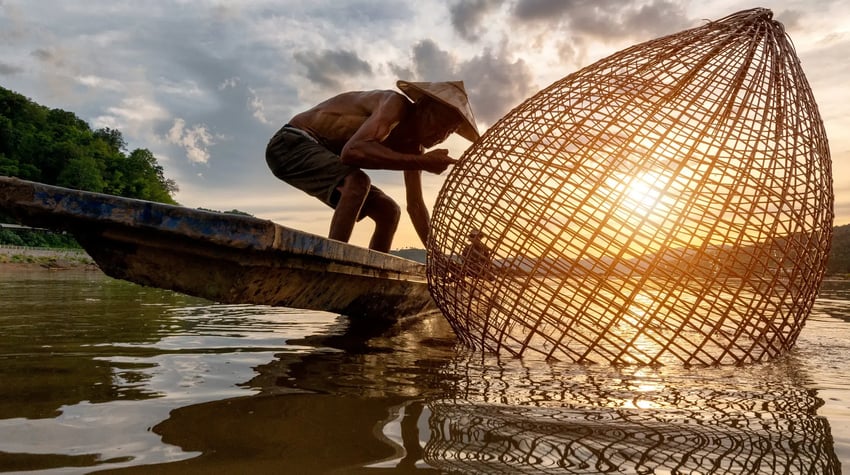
x,y
516,418
670,203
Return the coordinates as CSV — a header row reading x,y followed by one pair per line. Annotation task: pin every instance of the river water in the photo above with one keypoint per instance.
x,y
100,375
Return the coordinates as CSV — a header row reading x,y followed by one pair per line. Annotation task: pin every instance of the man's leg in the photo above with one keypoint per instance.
x,y
352,195
386,214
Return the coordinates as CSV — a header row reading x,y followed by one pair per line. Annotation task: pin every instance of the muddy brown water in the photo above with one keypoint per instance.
x,y
100,375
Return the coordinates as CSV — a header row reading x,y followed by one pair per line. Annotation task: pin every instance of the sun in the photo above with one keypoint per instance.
x,y
642,195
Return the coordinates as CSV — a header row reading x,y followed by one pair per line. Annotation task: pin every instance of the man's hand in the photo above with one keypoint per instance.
x,y
437,160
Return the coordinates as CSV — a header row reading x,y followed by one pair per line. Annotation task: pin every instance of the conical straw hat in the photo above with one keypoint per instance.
x,y
450,93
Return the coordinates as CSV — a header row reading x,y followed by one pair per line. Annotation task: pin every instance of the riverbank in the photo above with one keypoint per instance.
x,y
48,258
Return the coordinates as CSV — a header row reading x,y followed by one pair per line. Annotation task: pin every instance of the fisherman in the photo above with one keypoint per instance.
x,y
475,261
324,150
477,256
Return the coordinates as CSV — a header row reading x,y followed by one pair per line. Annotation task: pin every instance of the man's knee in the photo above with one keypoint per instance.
x,y
356,183
393,212
383,210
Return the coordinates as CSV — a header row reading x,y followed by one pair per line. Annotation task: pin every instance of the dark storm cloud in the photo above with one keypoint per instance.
x,y
325,67
469,15
369,14
402,72
657,18
213,52
431,63
496,84
9,69
545,9
43,55
605,19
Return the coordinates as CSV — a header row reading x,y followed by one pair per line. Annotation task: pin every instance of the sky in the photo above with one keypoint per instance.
x,y
204,84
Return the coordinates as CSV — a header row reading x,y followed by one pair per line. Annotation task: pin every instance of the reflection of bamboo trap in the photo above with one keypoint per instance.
x,y
486,438
670,203
533,423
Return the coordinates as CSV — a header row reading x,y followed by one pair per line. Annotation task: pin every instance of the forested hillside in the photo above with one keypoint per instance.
x,y
839,255
56,147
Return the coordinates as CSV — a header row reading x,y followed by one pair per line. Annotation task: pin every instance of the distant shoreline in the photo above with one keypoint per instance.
x,y
58,259
48,258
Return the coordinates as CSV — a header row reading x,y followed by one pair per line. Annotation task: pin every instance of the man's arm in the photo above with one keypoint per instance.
x,y
365,150
416,208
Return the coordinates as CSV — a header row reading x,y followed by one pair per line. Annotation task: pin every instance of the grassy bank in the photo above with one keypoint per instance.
x,y
45,257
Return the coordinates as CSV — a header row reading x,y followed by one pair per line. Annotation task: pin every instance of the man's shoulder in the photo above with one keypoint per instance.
x,y
367,99
384,94
372,93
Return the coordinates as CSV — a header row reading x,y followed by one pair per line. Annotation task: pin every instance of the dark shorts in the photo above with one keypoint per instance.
x,y
307,165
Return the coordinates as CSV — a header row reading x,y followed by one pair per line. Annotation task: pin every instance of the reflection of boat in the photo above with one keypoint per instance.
x,y
223,257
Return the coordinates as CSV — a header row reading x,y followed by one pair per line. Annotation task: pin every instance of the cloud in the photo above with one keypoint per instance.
x,y
184,88
195,140
14,26
402,72
98,82
46,56
325,67
529,10
605,20
9,69
500,84
134,116
468,16
431,63
655,19
494,80
257,107
228,83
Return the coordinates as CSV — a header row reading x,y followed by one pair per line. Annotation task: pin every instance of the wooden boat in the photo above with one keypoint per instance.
x,y
223,257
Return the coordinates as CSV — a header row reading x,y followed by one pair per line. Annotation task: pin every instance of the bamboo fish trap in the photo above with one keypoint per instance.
x,y
671,203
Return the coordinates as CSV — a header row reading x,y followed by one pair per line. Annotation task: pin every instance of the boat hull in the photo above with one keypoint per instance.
x,y
223,257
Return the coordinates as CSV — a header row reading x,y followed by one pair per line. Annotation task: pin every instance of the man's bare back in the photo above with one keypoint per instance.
x,y
334,121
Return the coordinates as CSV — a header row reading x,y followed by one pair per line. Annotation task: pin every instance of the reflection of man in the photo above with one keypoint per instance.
x,y
476,256
322,152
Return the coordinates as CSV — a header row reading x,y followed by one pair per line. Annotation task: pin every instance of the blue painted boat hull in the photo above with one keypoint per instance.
x,y
223,257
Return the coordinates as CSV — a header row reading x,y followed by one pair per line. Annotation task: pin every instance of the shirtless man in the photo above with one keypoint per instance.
x,y
322,152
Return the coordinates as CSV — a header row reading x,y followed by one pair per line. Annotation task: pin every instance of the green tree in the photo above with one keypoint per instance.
x,y
144,178
8,167
111,137
56,147
81,173
10,238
